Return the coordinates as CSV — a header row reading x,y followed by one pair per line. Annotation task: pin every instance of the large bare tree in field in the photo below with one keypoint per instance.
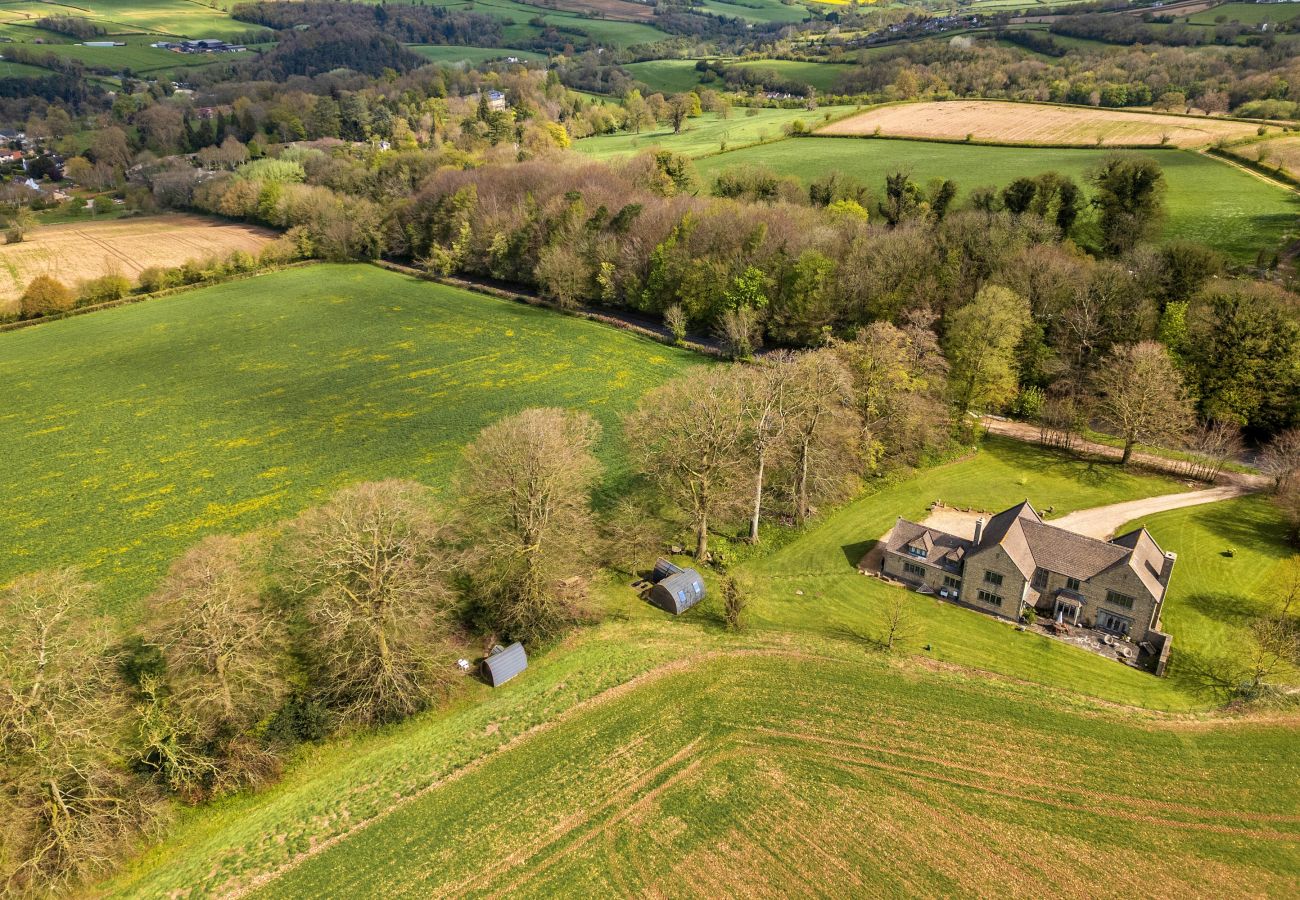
x,y
67,803
225,671
685,436
765,394
526,492
370,573
822,429
1142,395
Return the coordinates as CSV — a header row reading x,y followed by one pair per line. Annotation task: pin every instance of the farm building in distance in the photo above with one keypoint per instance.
x,y
202,45
502,665
675,589
1019,561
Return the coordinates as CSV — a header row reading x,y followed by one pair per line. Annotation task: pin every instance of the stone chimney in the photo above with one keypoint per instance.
x,y
979,529
1167,568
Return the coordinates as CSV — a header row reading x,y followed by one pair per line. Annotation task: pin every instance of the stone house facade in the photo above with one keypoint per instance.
x,y
1018,561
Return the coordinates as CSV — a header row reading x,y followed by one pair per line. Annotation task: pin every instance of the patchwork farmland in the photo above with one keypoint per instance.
x,y
1207,200
1021,123
73,252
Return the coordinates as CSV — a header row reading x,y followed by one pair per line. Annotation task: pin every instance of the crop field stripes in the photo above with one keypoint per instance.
x,y
267,879
1032,790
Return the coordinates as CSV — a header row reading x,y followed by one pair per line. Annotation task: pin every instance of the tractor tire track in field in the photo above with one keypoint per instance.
x,y
601,699
1102,796
600,831
1040,790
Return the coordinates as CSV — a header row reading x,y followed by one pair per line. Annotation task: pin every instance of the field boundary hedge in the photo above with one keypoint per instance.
x,y
153,295
982,142
591,314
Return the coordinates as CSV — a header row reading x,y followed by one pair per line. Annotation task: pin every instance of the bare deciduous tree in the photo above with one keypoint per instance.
x,y
1212,445
1281,458
224,657
370,573
68,804
822,430
1142,396
765,395
526,486
899,624
684,437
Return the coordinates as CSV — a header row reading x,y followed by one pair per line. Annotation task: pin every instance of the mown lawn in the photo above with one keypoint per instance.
x,y
1213,597
129,434
1208,201
811,584
764,766
707,133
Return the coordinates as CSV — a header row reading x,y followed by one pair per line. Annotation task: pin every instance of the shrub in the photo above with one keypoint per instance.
x,y
104,289
1028,616
241,261
46,295
155,278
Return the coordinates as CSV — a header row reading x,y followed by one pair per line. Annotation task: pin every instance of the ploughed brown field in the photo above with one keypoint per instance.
x,y
77,251
1026,123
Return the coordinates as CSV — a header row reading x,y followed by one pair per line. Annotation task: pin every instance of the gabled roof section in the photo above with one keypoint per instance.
x,y
941,548
1069,553
1145,558
1000,524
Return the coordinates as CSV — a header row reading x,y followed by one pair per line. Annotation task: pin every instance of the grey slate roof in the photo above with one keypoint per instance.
x,y
1033,543
941,549
501,667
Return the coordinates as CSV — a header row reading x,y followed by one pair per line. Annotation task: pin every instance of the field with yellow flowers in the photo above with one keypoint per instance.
x,y
131,433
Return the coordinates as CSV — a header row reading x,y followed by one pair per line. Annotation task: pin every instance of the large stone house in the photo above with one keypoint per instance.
x,y
1017,560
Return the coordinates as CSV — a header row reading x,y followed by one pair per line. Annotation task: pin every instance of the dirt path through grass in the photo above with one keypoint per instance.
x,y
1022,431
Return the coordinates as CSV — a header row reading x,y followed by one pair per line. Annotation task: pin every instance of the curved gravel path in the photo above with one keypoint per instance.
x,y
1102,521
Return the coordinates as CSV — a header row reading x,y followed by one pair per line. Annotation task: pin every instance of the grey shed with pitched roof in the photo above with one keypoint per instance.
x,y
678,592
501,667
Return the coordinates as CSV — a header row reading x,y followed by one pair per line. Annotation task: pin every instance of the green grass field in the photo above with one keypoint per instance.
x,y
134,432
449,55
812,585
1246,13
758,766
705,134
606,31
182,18
1208,201
820,75
669,76
1213,597
757,10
